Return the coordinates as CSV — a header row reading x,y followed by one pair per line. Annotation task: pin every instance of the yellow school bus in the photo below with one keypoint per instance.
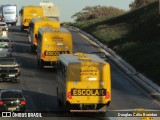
x,y
37,23
84,82
51,43
27,13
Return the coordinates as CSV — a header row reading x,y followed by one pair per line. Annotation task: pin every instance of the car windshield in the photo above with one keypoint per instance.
x,y
11,94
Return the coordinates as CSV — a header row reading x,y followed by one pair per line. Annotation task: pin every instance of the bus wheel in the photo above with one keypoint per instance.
x,y
32,49
68,106
22,29
41,66
38,62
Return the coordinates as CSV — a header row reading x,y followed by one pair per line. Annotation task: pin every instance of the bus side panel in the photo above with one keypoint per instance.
x,y
88,84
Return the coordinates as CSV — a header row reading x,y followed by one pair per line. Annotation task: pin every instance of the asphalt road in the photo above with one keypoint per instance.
x,y
39,85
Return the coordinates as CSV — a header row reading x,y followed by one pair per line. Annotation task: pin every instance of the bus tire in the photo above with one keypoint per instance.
x,y
38,62
68,106
22,29
32,49
41,64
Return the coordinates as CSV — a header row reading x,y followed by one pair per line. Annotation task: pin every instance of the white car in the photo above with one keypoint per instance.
x,y
5,47
3,29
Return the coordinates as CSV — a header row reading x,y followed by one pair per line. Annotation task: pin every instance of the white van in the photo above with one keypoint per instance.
x,y
9,14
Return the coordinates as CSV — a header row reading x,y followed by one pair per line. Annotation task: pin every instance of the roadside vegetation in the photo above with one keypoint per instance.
x,y
134,34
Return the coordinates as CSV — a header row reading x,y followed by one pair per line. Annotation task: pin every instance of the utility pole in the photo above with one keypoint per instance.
x,y
159,15
159,7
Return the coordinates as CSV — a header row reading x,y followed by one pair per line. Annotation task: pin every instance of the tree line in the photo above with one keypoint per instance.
x,y
89,12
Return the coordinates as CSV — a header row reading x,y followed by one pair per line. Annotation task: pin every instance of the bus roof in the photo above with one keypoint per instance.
x,y
43,18
71,58
46,29
31,6
9,5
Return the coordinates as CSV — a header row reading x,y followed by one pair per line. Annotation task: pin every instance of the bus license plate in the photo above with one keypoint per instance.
x,y
55,53
88,92
11,109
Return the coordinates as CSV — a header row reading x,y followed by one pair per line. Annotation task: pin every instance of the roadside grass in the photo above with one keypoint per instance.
x,y
144,57
134,36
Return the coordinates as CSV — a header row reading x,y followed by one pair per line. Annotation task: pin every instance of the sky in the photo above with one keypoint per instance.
x,y
70,7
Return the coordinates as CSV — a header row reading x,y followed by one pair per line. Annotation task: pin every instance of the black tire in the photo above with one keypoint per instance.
x,y
38,62
41,67
31,48
41,64
22,29
54,69
68,107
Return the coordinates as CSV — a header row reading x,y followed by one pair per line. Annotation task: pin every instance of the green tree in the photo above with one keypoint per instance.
x,y
139,3
96,12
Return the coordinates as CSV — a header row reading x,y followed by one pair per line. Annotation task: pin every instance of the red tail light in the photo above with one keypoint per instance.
x,y
24,21
1,102
35,40
69,95
43,55
107,95
23,102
